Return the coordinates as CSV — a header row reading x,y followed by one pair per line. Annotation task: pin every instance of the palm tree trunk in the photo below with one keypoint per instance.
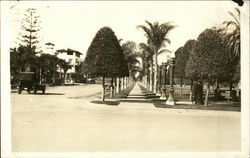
x,y
152,76
156,73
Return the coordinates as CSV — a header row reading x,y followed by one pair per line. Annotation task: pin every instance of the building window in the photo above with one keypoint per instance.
x,y
69,53
70,61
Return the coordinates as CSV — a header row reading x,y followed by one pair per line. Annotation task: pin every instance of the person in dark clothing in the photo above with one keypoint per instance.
x,y
217,94
240,95
233,94
200,93
194,93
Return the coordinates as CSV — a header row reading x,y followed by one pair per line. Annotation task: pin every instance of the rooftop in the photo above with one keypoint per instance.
x,y
68,50
49,43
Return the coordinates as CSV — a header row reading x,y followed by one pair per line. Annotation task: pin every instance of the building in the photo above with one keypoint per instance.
x,y
49,48
73,57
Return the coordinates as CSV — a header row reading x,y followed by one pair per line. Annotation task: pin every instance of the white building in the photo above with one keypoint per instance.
x,y
49,48
73,57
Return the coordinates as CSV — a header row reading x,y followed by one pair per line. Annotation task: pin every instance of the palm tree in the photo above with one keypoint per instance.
x,y
130,54
65,66
147,54
232,33
156,35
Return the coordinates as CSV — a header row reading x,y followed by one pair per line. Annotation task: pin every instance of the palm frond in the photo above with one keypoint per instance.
x,y
229,23
236,17
164,50
150,24
146,30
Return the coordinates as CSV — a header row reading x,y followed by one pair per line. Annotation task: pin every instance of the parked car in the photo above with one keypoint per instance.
x,y
14,82
30,82
91,80
80,80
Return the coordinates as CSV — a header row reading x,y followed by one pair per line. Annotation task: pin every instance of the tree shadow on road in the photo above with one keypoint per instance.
x,y
112,103
38,93
137,101
211,106
49,94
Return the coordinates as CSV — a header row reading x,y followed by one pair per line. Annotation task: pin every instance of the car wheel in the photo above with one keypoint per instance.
x,y
19,90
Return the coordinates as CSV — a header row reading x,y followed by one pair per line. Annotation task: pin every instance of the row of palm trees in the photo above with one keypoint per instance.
x,y
157,39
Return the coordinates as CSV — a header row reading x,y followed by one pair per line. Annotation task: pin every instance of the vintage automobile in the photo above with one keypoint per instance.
x,y
91,81
29,81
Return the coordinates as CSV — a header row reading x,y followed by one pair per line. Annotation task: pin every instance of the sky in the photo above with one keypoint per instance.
x,y
74,24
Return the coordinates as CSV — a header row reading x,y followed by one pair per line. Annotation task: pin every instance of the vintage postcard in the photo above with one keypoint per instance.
x,y
125,79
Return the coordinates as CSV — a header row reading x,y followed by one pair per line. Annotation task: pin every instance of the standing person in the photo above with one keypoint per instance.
x,y
195,93
200,92
233,94
217,94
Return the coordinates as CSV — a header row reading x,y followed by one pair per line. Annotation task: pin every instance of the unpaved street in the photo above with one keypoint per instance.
x,y
64,120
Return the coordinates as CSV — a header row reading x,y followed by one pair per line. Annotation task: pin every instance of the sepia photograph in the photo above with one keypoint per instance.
x,y
125,79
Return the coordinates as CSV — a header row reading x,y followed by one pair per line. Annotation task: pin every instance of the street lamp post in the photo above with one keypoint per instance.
x,y
170,100
163,88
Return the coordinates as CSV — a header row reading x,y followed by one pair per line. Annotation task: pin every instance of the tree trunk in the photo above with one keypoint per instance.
x,y
115,85
111,88
148,80
156,73
64,77
191,92
121,88
119,84
152,76
181,88
40,75
123,84
207,95
126,82
230,85
103,88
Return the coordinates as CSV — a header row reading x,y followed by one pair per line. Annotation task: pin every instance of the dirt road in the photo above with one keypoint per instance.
x,y
65,121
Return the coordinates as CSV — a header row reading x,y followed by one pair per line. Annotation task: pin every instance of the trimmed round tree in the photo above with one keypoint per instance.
x,y
182,55
104,57
207,60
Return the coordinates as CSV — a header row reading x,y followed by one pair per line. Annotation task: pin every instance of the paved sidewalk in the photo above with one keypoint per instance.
x,y
143,98
136,91
137,98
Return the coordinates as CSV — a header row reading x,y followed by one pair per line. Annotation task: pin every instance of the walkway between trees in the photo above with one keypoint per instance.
x,y
137,93
138,97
